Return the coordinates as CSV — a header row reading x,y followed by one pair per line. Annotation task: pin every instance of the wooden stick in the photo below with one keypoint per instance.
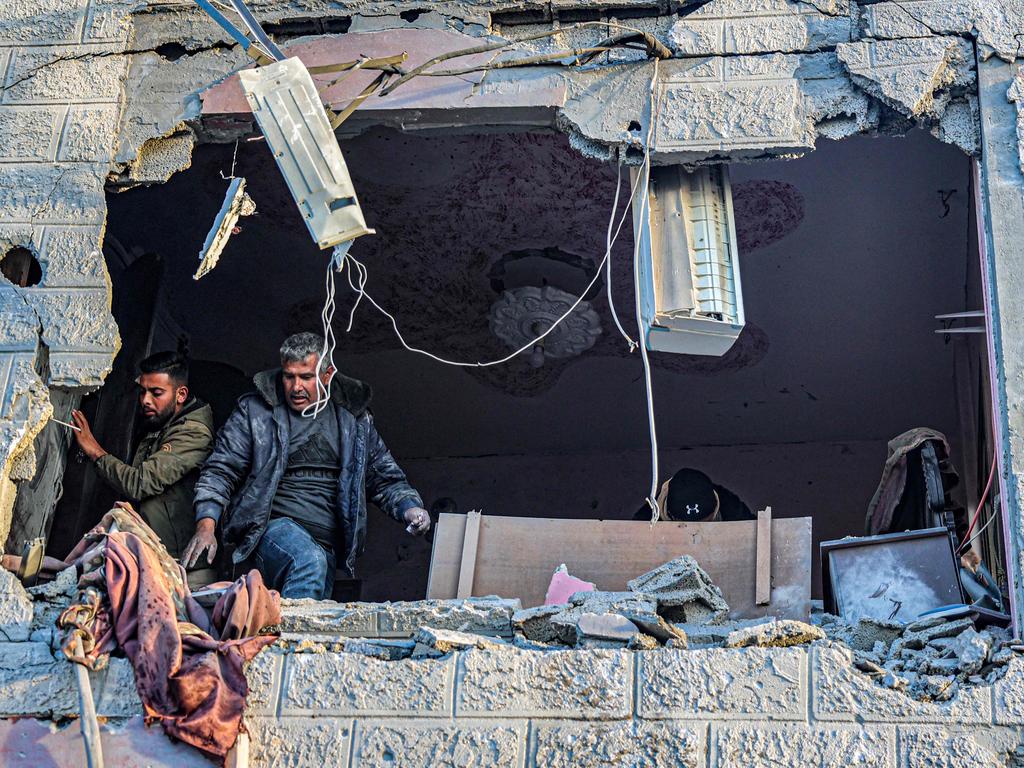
x,y
87,707
763,574
467,569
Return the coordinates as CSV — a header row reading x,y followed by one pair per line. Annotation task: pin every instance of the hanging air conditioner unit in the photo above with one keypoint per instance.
x,y
292,117
690,297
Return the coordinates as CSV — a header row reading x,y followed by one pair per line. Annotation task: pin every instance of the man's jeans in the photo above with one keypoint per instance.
x,y
291,561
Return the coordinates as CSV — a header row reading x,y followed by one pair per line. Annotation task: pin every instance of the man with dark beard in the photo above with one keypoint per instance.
x,y
162,475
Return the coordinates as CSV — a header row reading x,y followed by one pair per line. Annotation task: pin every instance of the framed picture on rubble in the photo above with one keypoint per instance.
x,y
893,576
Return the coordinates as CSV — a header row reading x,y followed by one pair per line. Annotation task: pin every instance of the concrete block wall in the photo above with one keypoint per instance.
x,y
743,708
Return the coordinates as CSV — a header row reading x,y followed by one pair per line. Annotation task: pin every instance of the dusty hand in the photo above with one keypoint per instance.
x,y
418,520
84,437
204,540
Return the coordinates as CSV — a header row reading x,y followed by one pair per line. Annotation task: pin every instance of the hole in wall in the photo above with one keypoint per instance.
x,y
21,267
412,14
634,125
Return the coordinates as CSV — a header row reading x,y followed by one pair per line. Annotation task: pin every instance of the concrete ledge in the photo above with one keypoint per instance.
x,y
576,685
835,746
843,693
350,684
764,683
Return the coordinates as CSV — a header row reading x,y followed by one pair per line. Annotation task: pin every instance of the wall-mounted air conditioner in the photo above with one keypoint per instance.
x,y
690,297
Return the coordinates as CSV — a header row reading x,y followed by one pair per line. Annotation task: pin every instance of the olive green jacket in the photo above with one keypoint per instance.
x,y
162,476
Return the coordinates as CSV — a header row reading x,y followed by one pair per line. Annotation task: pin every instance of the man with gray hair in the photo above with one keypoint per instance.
x,y
290,475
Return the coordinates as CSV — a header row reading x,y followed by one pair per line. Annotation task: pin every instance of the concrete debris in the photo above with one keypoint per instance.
x,y
386,650
652,624
685,593
867,633
447,640
605,626
774,634
534,624
929,659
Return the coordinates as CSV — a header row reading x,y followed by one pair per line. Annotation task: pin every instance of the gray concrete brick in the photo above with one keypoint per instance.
x,y
564,684
346,683
89,134
76,319
840,692
42,21
18,330
392,743
79,369
71,256
763,745
318,617
108,21
29,134
492,616
298,742
1009,694
59,75
44,192
956,747
610,745
263,674
32,682
116,694
747,683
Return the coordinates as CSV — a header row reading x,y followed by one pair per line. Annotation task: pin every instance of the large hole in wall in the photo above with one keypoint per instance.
x,y
20,266
846,255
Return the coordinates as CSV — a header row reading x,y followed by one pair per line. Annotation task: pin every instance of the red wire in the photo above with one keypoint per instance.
x,y
981,504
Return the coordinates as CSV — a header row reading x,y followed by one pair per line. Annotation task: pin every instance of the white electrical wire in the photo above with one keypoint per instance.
x,y
645,173
325,363
608,254
967,546
359,286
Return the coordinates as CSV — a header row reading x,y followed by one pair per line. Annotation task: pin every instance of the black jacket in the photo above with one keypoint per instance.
x,y
250,456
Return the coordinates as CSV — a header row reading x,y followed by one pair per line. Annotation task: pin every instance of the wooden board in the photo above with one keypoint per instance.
x,y
515,557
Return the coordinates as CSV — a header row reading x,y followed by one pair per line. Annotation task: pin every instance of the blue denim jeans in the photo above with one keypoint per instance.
x,y
291,561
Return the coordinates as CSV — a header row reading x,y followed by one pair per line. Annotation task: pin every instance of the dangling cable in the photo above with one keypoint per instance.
x,y
608,255
325,363
645,174
358,285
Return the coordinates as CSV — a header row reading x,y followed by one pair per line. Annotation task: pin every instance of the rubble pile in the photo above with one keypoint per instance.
x,y
929,659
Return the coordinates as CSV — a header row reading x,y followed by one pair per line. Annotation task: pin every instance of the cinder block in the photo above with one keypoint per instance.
x,y
42,21
1009,694
842,693
744,682
347,683
74,319
19,330
956,747
108,21
116,694
71,256
59,75
610,745
387,743
29,134
484,615
33,682
763,745
298,742
263,674
80,369
45,192
89,134
584,685
319,617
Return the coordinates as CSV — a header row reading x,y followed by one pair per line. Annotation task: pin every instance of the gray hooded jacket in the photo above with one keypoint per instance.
x,y
238,482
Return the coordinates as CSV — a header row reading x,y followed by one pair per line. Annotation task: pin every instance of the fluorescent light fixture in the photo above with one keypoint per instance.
x,y
292,117
690,297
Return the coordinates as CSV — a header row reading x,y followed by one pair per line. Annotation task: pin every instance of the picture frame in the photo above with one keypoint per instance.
x,y
891,576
